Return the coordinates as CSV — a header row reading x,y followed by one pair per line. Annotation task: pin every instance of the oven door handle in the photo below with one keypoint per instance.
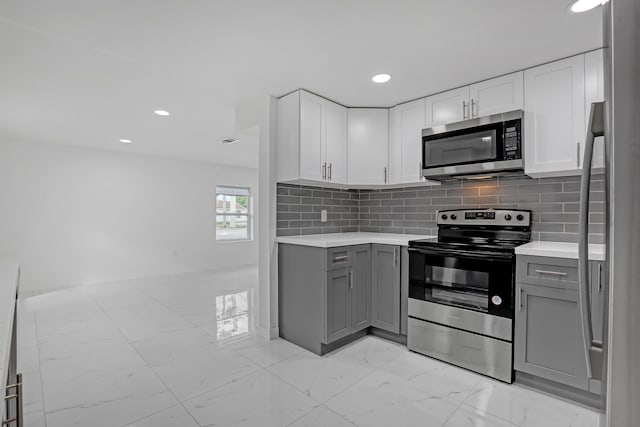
x,y
487,256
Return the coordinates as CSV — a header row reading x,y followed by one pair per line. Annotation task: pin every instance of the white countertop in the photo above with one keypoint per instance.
x,y
560,250
8,283
332,240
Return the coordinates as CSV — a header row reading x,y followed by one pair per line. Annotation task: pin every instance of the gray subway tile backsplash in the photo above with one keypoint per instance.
x,y
553,201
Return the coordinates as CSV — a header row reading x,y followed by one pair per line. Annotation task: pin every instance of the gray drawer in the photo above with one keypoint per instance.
x,y
546,271
339,257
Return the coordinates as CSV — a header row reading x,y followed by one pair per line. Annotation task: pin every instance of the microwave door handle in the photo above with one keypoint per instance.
x,y
594,130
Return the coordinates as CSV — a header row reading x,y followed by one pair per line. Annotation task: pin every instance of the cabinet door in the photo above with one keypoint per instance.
x,y
361,288
338,304
554,128
497,95
406,122
385,287
368,145
548,335
311,136
447,107
594,92
288,143
336,142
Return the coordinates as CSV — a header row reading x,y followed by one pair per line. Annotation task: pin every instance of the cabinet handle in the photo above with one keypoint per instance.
x,y
330,164
324,171
395,259
420,177
350,280
340,258
599,278
473,108
578,148
520,297
464,110
385,174
553,273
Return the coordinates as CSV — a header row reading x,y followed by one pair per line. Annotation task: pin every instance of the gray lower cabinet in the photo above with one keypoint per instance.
x,y
385,287
548,341
361,288
548,335
338,304
326,295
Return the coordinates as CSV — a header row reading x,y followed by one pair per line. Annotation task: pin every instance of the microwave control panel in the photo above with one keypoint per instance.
x,y
512,138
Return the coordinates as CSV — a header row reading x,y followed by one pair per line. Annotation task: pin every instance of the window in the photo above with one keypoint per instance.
x,y
233,214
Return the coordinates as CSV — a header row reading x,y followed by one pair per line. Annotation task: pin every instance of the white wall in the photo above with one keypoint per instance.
x,y
258,117
76,216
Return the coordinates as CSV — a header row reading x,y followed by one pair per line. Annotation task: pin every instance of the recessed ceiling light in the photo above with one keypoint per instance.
x,y
381,78
578,6
228,140
161,112
126,141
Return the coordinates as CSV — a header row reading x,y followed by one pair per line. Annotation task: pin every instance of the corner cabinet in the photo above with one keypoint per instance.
x,y
312,139
548,340
368,142
328,297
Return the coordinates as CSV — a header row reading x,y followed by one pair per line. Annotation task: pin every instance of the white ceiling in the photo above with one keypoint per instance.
x,y
89,72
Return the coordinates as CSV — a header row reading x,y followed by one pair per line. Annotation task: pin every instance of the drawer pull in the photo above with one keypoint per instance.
x,y
553,273
341,258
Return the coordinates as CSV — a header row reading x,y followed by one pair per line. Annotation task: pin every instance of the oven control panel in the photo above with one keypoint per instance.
x,y
496,217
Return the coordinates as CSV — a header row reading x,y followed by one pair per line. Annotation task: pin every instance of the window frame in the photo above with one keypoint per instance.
x,y
248,215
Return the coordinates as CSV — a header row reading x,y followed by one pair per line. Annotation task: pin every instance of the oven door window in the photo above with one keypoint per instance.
x,y
472,282
457,286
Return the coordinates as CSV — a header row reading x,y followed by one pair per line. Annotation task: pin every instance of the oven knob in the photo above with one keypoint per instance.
x,y
496,300
507,217
520,217
454,217
443,216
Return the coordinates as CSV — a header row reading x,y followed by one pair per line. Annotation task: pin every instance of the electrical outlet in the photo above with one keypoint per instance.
x,y
323,215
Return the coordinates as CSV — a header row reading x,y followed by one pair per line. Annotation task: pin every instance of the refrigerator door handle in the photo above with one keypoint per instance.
x,y
594,130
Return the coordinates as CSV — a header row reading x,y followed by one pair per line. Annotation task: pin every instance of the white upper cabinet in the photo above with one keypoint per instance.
x,y
493,96
447,107
594,92
368,142
312,139
288,142
406,122
335,155
312,135
554,126
497,95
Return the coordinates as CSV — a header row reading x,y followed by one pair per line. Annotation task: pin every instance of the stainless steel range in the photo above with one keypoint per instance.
x,y
461,289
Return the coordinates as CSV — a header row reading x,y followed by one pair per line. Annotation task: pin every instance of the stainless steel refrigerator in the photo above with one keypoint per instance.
x,y
616,361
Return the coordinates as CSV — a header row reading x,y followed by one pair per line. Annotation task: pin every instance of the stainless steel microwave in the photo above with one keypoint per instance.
x,y
490,145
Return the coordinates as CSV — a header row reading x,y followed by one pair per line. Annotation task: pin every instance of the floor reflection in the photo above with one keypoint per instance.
x,y
233,318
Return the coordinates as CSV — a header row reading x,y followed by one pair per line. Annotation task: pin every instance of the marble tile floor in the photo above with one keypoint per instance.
x,y
182,351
